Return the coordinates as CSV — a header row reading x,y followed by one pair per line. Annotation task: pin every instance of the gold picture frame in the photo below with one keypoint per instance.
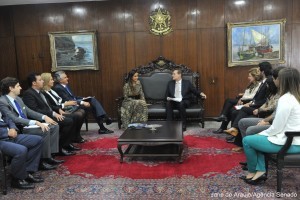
x,y
250,43
73,50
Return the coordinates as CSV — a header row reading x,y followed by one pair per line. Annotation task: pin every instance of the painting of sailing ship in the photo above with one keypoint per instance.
x,y
251,43
73,50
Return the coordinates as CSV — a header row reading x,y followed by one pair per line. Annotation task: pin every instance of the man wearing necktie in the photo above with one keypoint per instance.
x,y
12,106
25,151
178,94
63,90
36,101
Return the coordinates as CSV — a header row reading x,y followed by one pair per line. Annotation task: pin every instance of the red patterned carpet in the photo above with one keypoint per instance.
x,y
209,171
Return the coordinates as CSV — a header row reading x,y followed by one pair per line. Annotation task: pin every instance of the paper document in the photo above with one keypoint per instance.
x,y
86,98
35,126
238,107
174,99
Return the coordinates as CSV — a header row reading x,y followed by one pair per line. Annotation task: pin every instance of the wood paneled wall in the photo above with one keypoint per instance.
x,y
198,40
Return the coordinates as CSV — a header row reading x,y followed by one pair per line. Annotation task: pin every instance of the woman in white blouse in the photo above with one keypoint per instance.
x,y
271,140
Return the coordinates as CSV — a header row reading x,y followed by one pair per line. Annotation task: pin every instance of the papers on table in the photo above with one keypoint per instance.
x,y
137,125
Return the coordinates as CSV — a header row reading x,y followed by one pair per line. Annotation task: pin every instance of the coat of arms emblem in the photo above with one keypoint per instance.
x,y
160,22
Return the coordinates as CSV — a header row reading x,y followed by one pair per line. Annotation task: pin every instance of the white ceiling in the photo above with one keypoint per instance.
x,y
20,2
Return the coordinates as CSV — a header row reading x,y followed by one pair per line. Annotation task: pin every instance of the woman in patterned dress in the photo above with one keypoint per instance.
x,y
134,107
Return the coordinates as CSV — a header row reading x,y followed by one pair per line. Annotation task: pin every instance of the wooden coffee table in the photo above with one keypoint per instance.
x,y
169,134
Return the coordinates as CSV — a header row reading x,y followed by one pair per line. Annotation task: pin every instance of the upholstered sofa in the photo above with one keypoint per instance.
x,y
154,78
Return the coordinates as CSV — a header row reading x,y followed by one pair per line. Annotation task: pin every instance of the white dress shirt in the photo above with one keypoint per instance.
x,y
178,94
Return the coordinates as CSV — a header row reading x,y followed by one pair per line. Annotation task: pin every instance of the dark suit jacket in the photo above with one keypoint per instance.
x,y
6,123
8,110
261,95
187,89
65,95
34,101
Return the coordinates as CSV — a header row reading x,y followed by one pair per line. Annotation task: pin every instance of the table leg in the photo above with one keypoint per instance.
x,y
121,153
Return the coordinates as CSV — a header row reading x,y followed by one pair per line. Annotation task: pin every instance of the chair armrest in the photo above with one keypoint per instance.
x,y
200,100
292,133
290,136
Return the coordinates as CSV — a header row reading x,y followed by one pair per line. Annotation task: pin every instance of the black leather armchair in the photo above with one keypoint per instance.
x,y
284,159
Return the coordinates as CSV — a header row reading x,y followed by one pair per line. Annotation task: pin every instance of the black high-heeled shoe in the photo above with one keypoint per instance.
x,y
257,181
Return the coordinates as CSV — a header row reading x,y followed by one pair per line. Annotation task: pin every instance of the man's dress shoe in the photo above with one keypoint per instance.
x,y
108,121
71,147
21,184
79,140
64,152
104,131
221,118
218,131
53,161
34,179
46,166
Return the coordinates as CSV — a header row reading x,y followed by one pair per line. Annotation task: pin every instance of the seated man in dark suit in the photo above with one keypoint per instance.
x,y
12,106
179,93
35,100
25,151
63,90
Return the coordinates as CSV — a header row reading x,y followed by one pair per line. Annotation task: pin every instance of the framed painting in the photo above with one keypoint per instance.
x,y
250,43
74,50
